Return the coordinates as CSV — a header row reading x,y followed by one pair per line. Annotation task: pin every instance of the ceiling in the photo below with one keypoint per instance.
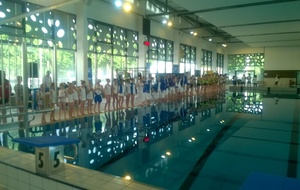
x,y
258,23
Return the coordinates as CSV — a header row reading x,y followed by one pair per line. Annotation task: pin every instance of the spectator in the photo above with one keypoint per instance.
x,y
5,87
47,81
19,95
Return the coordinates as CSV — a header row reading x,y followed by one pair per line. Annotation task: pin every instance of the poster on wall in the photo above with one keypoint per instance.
x,y
148,66
89,69
197,73
175,69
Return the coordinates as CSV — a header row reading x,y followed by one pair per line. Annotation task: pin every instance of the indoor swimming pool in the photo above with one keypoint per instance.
x,y
222,142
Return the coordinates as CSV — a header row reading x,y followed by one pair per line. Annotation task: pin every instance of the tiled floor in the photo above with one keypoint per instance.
x,y
77,177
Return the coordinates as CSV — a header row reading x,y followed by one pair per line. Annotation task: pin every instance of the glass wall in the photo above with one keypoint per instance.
x,y
113,50
160,55
43,33
239,64
187,59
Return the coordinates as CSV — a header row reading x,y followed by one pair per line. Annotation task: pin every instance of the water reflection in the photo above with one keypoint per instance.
x,y
105,138
245,102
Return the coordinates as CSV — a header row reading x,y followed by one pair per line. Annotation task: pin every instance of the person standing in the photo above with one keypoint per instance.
x,y
82,97
127,92
133,91
254,81
115,94
98,95
249,80
89,97
243,80
18,88
121,93
107,91
70,95
76,99
4,98
276,80
41,102
53,98
140,86
47,80
62,99
234,80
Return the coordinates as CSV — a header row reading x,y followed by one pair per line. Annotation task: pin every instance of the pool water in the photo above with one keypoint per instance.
x,y
205,142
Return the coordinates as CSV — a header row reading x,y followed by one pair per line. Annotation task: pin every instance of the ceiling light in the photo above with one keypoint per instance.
x,y
164,21
195,34
170,23
192,32
224,45
210,39
127,7
118,3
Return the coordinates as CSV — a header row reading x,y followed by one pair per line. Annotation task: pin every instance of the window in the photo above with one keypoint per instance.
x,y
160,55
42,32
187,59
239,64
206,61
113,50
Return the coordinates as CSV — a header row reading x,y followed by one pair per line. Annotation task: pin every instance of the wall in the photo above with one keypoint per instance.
x,y
282,58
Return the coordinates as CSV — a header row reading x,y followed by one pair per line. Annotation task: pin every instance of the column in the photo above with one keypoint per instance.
x,y
82,43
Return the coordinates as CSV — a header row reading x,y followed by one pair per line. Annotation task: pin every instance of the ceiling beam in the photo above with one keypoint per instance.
x,y
260,23
182,13
237,6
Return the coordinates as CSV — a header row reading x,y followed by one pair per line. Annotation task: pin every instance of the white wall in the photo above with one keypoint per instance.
x,y
282,58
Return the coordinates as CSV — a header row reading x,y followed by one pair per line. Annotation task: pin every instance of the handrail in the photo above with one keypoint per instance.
x,y
9,124
75,153
9,107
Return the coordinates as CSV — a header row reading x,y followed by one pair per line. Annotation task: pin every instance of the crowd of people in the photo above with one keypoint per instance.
x,y
122,92
245,80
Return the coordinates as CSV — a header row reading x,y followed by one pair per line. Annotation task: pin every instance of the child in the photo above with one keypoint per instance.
x,y
98,95
62,100
127,92
76,99
19,96
41,102
89,97
115,94
69,94
107,91
53,98
133,91
121,90
82,97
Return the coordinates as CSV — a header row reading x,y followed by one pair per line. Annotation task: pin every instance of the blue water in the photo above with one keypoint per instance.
x,y
205,142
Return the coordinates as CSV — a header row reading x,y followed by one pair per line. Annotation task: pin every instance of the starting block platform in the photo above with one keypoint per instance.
x,y
49,152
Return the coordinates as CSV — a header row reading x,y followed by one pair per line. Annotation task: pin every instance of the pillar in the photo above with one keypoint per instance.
x,y
82,43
